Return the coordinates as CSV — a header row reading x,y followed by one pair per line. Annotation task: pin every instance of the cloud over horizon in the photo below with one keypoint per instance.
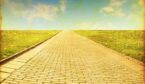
x,y
31,11
114,8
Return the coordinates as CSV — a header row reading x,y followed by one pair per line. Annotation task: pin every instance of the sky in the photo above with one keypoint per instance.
x,y
73,14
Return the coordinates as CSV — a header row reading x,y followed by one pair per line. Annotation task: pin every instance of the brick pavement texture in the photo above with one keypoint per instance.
x,y
69,58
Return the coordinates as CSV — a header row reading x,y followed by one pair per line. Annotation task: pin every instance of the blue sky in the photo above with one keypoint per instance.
x,y
73,14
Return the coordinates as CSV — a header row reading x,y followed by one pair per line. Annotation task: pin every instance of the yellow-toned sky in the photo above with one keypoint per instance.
x,y
73,14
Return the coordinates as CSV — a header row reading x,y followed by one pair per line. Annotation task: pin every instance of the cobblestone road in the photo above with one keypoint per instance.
x,y
69,58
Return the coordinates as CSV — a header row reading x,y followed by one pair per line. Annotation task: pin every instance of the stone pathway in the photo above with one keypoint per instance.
x,y
69,58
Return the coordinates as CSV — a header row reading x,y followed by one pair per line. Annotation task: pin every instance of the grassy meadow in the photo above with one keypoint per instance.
x,y
129,42
14,41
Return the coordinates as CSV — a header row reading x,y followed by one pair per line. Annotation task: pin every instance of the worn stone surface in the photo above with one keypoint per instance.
x,y
69,58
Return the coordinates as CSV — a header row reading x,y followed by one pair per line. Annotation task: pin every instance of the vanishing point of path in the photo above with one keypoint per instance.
x,y
69,58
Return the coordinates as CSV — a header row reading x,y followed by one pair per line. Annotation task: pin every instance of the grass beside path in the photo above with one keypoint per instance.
x,y
14,41
129,42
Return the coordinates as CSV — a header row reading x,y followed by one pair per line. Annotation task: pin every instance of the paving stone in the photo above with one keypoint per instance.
x,y
5,69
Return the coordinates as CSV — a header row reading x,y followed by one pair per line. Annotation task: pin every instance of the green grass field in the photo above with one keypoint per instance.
x,y
129,42
14,41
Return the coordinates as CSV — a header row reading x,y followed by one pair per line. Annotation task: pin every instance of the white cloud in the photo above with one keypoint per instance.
x,y
44,11
133,20
31,11
117,3
114,8
63,5
108,9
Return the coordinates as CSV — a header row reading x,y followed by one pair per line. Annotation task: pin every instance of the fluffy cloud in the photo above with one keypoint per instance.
x,y
31,11
42,11
114,8
134,18
63,5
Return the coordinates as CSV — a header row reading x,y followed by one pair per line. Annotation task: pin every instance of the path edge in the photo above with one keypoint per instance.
x,y
5,60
